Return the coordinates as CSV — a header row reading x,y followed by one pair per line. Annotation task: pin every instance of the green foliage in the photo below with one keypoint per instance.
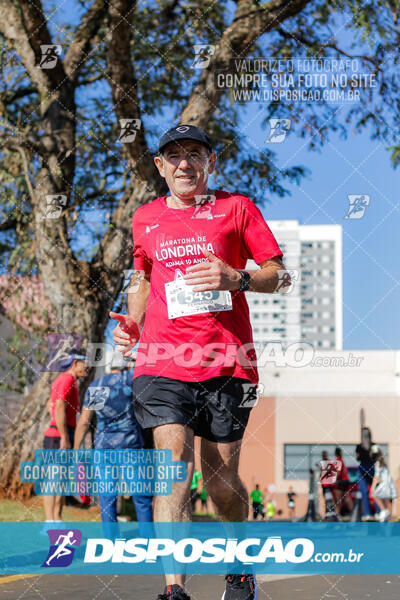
x,y
164,32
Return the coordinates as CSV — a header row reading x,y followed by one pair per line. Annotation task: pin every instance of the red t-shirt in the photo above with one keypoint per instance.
x,y
342,471
209,344
64,387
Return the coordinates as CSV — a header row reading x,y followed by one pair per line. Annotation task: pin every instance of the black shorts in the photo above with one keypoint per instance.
x,y
217,409
53,443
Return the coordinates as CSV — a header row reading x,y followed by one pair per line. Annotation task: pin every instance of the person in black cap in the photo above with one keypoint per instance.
x,y
196,372
63,406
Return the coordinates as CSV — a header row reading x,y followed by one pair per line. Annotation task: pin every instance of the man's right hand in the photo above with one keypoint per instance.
x,y
126,333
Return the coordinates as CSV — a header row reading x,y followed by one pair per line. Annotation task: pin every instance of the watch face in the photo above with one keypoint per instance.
x,y
244,284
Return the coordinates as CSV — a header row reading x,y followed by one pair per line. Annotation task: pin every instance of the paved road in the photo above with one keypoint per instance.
x,y
205,587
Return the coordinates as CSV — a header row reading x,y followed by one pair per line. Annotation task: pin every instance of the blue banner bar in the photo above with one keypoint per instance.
x,y
215,548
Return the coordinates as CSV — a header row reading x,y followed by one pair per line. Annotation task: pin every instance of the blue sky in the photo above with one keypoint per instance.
x,y
371,245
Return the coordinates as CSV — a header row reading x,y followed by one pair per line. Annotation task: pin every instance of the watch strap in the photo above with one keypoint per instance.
x,y
245,281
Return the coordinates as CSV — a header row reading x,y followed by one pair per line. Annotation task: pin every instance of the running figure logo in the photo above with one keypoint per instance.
x,y
55,204
132,280
61,345
278,130
204,204
329,471
286,281
98,396
50,54
61,551
129,129
203,54
357,205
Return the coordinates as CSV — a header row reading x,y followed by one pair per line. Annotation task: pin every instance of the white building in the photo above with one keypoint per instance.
x,y
311,309
317,406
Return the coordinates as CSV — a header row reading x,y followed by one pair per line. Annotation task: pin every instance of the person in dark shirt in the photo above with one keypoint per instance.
x,y
365,471
291,502
117,427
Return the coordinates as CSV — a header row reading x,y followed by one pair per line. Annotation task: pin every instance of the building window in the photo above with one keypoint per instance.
x,y
298,459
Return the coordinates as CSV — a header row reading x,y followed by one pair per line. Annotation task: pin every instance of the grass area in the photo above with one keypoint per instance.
x,y
200,516
32,511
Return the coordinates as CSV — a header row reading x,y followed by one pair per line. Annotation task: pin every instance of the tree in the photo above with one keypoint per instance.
x,y
61,135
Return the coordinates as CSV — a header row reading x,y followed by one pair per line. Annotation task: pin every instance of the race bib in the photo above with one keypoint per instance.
x,y
182,301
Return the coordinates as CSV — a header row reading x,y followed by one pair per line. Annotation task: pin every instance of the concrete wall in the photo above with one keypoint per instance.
x,y
258,456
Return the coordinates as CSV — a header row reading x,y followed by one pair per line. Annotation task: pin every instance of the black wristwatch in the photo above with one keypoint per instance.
x,y
245,281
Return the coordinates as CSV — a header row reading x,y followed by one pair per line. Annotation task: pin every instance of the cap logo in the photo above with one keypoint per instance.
x,y
182,128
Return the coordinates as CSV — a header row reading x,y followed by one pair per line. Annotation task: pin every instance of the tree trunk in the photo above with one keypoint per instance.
x,y
23,437
82,292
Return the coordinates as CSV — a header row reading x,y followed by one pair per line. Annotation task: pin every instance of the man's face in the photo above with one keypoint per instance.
x,y
186,165
82,368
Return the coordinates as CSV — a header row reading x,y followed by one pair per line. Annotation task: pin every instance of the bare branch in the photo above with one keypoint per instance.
x,y
83,39
23,23
19,141
8,224
314,43
102,191
26,171
10,97
124,85
237,41
90,80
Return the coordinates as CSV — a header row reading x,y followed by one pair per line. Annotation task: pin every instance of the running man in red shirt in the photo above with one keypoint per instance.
x,y
196,372
63,406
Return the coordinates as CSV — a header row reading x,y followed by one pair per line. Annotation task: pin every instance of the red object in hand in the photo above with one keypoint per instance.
x,y
127,324
130,327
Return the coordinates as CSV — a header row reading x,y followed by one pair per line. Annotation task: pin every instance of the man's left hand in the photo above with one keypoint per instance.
x,y
212,275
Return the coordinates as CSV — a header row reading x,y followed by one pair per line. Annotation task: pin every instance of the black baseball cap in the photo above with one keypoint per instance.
x,y
184,132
